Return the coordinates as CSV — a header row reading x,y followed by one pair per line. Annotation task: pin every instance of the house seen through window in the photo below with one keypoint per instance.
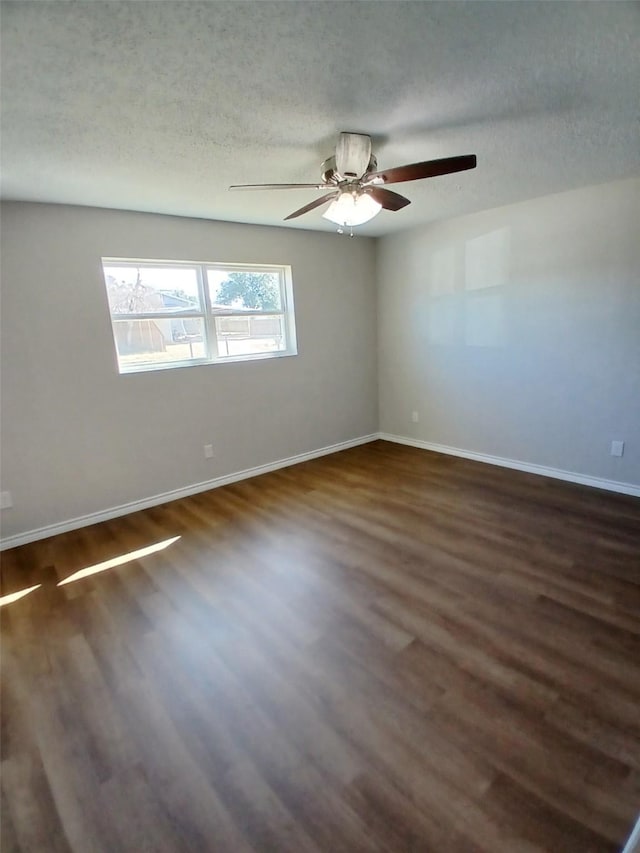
x,y
174,314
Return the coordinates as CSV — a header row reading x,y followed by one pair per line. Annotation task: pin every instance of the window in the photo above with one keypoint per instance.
x,y
174,314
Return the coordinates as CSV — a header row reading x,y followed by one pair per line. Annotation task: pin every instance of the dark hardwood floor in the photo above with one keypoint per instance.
x,y
383,649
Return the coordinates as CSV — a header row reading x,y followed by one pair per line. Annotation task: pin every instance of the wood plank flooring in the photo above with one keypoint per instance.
x,y
381,650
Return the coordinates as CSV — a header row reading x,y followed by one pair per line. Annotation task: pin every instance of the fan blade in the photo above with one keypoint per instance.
x,y
428,169
387,198
312,205
279,186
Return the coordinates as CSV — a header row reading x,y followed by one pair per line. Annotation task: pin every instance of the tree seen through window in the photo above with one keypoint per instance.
x,y
256,291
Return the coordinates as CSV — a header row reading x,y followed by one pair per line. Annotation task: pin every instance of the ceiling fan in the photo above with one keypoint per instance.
x,y
356,187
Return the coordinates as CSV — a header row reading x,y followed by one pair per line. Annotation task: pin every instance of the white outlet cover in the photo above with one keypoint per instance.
x,y
6,501
617,448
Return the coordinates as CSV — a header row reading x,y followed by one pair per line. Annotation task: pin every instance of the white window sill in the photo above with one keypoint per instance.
x,y
203,362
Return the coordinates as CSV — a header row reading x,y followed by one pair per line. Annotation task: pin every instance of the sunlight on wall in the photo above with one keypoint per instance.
x,y
442,321
486,260
486,267
464,306
119,561
442,271
484,322
442,311
15,596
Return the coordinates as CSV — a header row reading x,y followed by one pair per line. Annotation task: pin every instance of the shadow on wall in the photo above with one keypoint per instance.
x,y
466,304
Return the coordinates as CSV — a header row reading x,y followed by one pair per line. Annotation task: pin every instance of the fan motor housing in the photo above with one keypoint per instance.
x,y
330,175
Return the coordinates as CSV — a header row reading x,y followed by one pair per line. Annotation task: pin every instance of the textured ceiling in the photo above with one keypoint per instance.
x,y
159,106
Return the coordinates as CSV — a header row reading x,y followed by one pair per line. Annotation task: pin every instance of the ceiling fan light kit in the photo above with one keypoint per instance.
x,y
357,191
351,209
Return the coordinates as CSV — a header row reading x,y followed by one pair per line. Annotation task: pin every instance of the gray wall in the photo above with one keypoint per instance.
x,y
515,332
77,437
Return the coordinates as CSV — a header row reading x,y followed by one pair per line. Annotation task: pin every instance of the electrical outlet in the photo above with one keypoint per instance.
x,y
208,451
415,417
617,448
5,500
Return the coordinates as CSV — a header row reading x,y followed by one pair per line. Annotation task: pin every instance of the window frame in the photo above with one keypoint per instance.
x,y
206,314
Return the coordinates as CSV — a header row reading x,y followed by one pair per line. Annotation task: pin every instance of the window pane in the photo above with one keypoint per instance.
x,y
250,289
146,289
250,335
144,342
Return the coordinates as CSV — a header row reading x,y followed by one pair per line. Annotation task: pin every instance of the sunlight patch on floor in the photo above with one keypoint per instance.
x,y
15,596
119,561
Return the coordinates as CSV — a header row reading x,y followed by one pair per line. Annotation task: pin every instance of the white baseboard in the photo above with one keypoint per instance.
x,y
528,467
185,491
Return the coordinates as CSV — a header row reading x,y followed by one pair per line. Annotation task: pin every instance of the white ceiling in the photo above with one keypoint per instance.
x,y
159,106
